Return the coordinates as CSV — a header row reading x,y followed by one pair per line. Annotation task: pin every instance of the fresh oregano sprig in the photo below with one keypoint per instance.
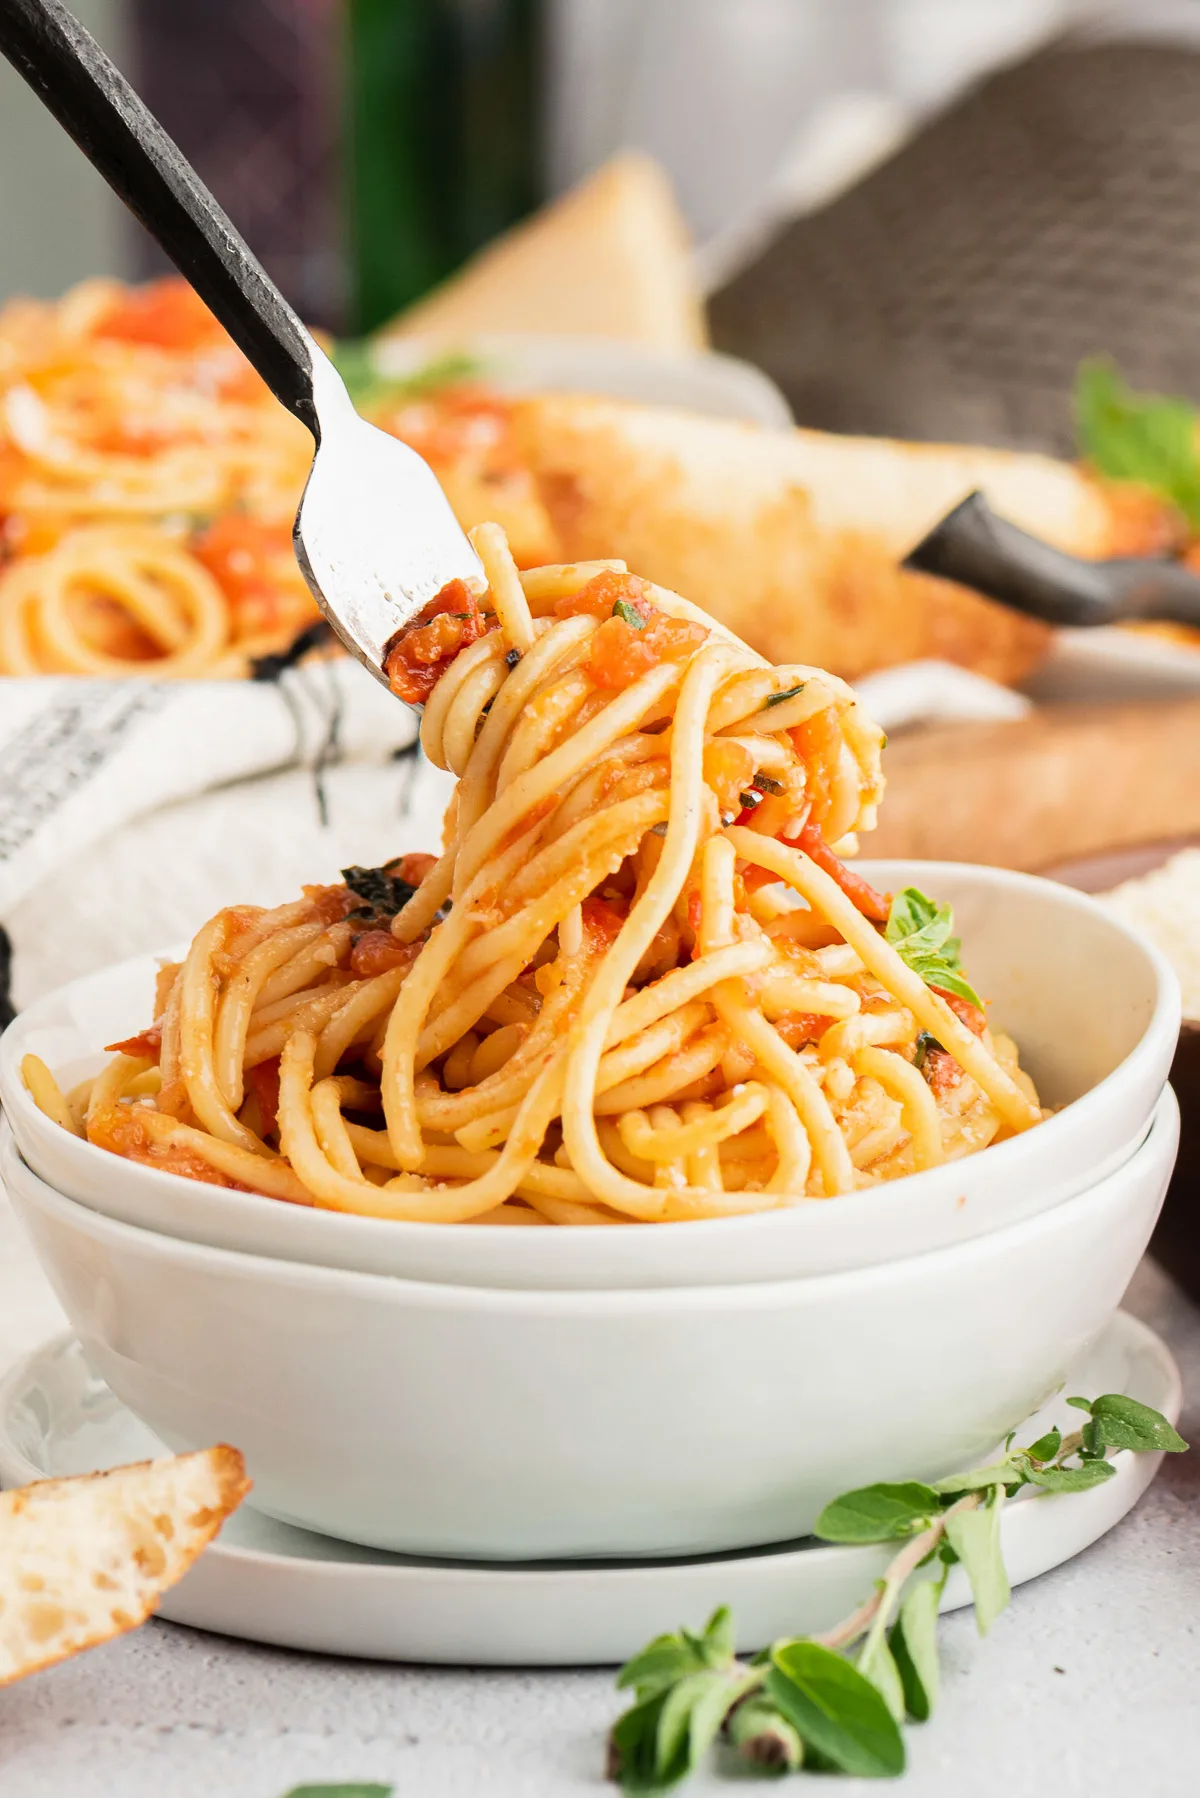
x,y
837,1702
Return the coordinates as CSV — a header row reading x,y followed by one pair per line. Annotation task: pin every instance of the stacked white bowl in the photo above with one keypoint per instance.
x,y
502,1393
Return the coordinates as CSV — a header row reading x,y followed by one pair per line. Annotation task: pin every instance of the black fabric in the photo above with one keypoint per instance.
x,y
8,1010
1050,214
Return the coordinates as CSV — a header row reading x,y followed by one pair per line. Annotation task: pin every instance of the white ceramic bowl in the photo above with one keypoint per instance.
x,y
465,1422
1094,1008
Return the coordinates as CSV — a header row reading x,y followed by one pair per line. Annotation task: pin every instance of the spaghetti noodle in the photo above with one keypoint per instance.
x,y
148,483
637,985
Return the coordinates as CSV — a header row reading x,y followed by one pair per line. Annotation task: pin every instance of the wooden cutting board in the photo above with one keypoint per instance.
x,y
1066,782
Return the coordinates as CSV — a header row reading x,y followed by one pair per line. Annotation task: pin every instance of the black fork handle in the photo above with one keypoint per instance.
x,y
120,137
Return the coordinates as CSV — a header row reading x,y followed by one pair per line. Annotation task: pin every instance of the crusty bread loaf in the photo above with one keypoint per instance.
x,y
609,259
82,1560
794,538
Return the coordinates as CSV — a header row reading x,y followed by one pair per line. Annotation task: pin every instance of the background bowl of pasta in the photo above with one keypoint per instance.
x,y
458,1421
1093,1008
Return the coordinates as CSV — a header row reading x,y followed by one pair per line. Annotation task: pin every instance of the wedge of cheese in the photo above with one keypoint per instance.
x,y
794,539
83,1560
608,259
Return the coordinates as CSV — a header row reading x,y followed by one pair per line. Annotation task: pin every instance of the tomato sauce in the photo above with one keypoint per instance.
x,y
378,951
168,313
968,1014
146,1045
860,892
621,650
121,1131
242,554
263,1083
420,654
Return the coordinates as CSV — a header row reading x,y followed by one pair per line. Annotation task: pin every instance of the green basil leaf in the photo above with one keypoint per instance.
x,y
788,693
1046,1447
1126,1423
629,614
878,1513
914,1648
921,932
918,920
763,1736
940,973
836,1710
876,1664
1072,1479
1081,1404
1143,437
354,359
975,1536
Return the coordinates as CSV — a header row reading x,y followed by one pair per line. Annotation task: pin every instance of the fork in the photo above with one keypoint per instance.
x,y
975,547
374,535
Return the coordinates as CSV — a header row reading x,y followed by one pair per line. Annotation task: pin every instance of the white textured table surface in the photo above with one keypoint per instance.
x,y
1092,1678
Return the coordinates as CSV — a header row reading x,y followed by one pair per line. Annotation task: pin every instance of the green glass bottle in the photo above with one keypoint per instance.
x,y
441,139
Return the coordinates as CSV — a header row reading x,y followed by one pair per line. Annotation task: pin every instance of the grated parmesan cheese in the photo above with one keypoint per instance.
x,y
1165,906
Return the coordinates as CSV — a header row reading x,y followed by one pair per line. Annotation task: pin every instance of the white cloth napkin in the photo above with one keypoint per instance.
x,y
81,758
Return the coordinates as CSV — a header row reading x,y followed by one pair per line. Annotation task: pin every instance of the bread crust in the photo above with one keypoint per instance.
x,y
88,1558
794,539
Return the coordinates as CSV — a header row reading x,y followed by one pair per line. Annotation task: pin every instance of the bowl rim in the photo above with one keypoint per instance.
x,y
1156,1041
242,1266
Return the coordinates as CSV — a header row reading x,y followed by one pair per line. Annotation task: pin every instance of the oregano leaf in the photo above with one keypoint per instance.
x,y
876,1663
1072,1479
691,1716
1011,1471
914,1647
975,1537
633,1745
763,1736
370,1789
1046,1447
1092,1440
836,1710
1126,1423
879,1513
659,1665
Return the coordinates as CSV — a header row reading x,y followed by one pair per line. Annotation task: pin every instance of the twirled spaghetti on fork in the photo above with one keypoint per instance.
x,y
637,985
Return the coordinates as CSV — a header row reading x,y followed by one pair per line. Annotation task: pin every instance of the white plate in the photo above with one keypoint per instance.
x,y
535,362
267,1582
1110,664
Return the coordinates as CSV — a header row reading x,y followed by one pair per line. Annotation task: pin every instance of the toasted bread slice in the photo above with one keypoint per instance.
x,y
82,1560
608,259
793,539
